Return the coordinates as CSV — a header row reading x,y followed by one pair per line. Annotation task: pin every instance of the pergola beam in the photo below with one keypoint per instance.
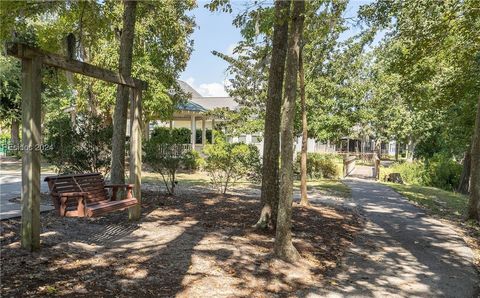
x,y
32,61
23,51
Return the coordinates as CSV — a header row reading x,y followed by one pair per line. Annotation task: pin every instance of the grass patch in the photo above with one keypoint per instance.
x,y
185,179
440,202
190,179
332,186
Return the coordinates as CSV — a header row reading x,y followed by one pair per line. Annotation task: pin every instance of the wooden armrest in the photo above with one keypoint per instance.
x,y
70,194
129,189
119,185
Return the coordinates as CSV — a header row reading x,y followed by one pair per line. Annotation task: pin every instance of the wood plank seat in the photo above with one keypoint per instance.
x,y
86,195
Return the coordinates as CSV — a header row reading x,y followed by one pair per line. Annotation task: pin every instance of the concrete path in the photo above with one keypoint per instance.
x,y
10,187
363,172
402,252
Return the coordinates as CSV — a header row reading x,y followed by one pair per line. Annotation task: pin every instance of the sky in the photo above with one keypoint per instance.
x,y
214,31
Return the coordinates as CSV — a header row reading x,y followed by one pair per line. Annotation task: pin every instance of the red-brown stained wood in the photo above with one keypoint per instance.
x,y
86,195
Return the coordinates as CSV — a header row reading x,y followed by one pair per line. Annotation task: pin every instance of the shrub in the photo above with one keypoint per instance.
x,y
84,147
319,166
226,163
443,172
192,160
165,135
165,153
439,171
412,173
182,135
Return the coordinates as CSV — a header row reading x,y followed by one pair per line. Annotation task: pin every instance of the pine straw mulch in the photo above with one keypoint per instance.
x,y
194,245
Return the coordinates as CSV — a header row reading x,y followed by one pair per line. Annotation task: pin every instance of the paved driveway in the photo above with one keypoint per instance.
x,y
10,187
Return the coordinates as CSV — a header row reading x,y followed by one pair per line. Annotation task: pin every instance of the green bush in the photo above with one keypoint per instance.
x,y
182,135
411,172
226,163
443,172
4,136
165,135
166,153
193,160
439,171
319,166
84,147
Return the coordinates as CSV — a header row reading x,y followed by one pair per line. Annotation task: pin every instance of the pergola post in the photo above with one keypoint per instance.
x,y
32,61
31,120
134,212
204,132
194,132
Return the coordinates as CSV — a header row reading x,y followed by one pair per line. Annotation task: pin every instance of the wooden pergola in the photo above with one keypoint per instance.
x,y
32,61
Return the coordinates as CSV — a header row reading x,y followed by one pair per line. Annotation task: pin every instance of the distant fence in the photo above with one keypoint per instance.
x,y
365,157
174,150
348,165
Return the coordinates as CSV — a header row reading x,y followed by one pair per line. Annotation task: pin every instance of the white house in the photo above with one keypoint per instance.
x,y
192,115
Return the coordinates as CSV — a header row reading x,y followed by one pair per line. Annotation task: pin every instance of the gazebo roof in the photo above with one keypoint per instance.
x,y
191,106
201,104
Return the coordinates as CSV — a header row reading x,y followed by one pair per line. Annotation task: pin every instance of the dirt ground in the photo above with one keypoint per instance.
x,y
197,244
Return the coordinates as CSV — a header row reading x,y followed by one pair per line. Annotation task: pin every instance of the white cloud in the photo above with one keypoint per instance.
x,y
214,89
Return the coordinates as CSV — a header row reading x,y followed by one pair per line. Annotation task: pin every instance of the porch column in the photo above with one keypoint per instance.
x,y
213,130
194,132
204,132
31,118
171,124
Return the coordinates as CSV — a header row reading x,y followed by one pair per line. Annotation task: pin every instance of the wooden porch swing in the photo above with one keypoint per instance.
x,y
90,198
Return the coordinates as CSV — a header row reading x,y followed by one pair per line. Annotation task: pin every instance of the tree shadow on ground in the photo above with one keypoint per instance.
x,y
200,244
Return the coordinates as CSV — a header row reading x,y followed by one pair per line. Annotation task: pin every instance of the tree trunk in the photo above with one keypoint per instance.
x,y
146,130
121,105
15,132
303,157
474,202
92,98
70,45
411,149
284,248
464,183
271,143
